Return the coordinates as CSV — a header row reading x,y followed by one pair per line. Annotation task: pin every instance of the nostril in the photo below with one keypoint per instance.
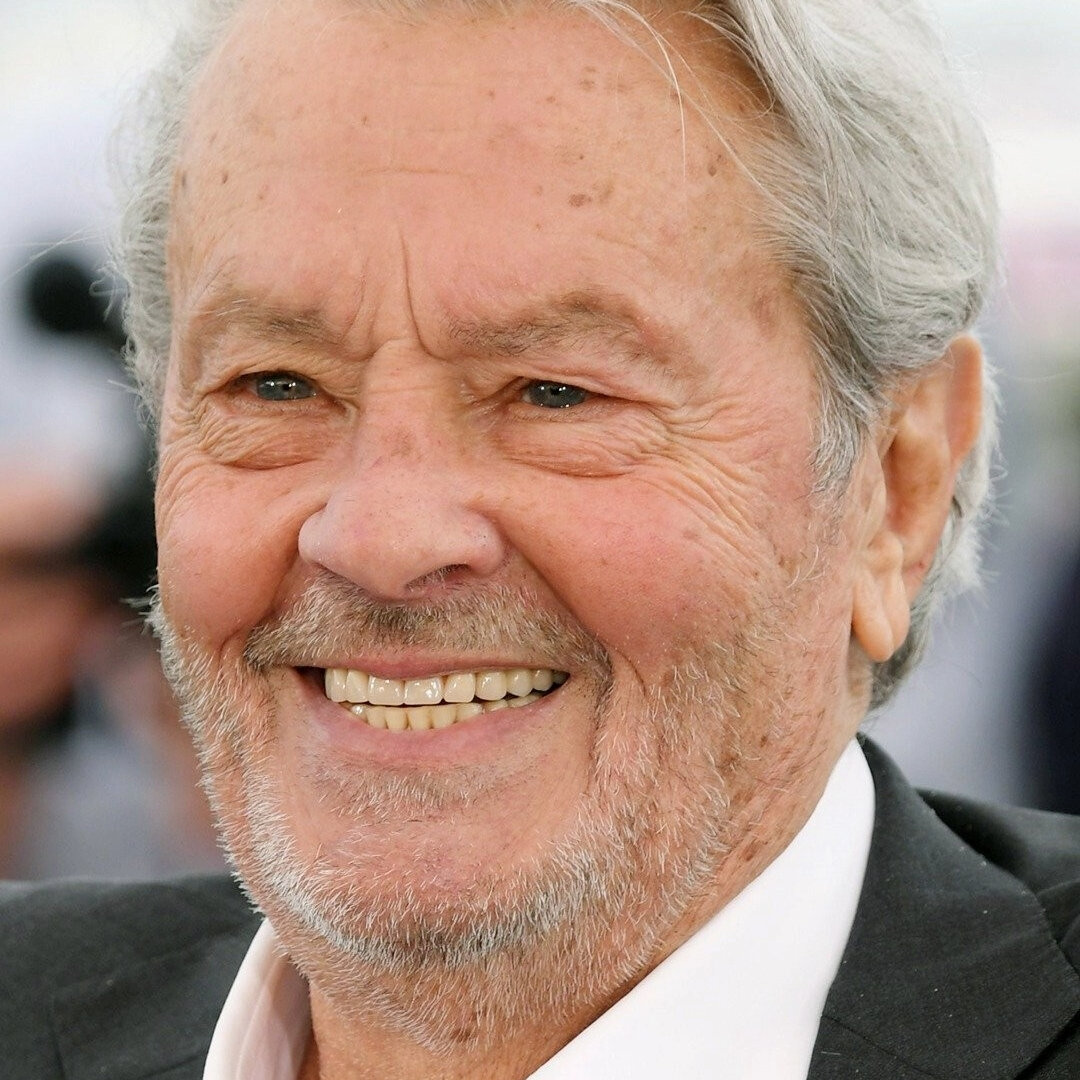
x,y
436,577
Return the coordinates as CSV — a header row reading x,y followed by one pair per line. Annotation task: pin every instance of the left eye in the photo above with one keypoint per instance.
x,y
280,386
554,395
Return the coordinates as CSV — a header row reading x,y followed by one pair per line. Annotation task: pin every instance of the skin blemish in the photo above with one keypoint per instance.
x,y
401,446
789,564
224,176
579,198
765,309
752,850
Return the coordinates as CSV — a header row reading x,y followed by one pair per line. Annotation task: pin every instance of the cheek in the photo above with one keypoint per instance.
x,y
225,543
646,569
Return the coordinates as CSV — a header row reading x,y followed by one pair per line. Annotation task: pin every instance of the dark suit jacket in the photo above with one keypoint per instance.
x,y
962,963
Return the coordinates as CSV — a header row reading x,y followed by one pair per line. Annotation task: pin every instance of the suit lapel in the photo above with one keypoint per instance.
x,y
153,1019
951,969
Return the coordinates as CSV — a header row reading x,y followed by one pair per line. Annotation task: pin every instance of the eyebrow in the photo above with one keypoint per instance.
x,y
568,320
237,311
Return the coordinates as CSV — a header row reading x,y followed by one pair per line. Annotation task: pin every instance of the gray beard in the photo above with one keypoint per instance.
x,y
574,927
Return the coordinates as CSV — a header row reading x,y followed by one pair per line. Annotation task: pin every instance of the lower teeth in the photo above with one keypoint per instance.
x,y
428,717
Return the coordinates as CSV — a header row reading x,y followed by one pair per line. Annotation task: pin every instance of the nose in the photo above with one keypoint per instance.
x,y
403,514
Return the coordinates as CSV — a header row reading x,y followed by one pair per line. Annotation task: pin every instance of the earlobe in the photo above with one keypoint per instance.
x,y
906,493
880,618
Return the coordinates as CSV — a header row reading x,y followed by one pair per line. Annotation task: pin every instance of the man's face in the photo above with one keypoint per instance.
x,y
477,368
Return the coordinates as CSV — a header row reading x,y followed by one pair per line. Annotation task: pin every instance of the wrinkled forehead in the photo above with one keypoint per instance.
x,y
607,66
502,150
652,114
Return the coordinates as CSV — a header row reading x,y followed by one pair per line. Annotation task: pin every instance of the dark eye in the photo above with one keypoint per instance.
x,y
280,386
553,395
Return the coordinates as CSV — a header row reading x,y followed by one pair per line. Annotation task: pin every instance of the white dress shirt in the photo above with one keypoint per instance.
x,y
741,1000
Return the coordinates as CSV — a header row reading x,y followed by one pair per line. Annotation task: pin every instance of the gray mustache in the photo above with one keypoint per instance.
x,y
333,616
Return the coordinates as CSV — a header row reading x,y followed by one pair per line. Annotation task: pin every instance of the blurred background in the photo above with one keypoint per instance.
x,y
95,775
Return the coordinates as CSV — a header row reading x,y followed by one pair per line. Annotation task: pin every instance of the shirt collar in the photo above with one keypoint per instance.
x,y
742,998
265,1023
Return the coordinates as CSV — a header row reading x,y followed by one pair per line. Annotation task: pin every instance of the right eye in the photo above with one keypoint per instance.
x,y
554,395
279,386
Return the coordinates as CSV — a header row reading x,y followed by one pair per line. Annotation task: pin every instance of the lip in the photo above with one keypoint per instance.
x,y
472,741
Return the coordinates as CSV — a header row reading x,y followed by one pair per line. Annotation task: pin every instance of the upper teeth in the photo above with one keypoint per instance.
x,y
349,685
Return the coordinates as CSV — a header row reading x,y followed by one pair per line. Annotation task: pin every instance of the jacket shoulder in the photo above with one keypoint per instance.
x,y
67,945
74,930
962,959
1040,849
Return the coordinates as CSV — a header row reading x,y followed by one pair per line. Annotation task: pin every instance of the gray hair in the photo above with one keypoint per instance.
x,y
880,205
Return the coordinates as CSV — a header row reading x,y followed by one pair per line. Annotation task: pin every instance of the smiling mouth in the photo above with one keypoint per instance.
x,y
439,701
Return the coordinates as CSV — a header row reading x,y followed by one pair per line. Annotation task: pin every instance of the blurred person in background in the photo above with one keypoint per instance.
x,y
97,780
46,607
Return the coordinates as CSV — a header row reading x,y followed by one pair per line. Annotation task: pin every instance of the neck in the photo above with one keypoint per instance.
x,y
370,1050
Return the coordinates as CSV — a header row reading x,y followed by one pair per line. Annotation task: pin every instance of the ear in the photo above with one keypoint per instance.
x,y
905,487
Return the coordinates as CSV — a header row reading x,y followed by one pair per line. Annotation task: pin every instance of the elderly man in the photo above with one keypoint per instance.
x,y
566,423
